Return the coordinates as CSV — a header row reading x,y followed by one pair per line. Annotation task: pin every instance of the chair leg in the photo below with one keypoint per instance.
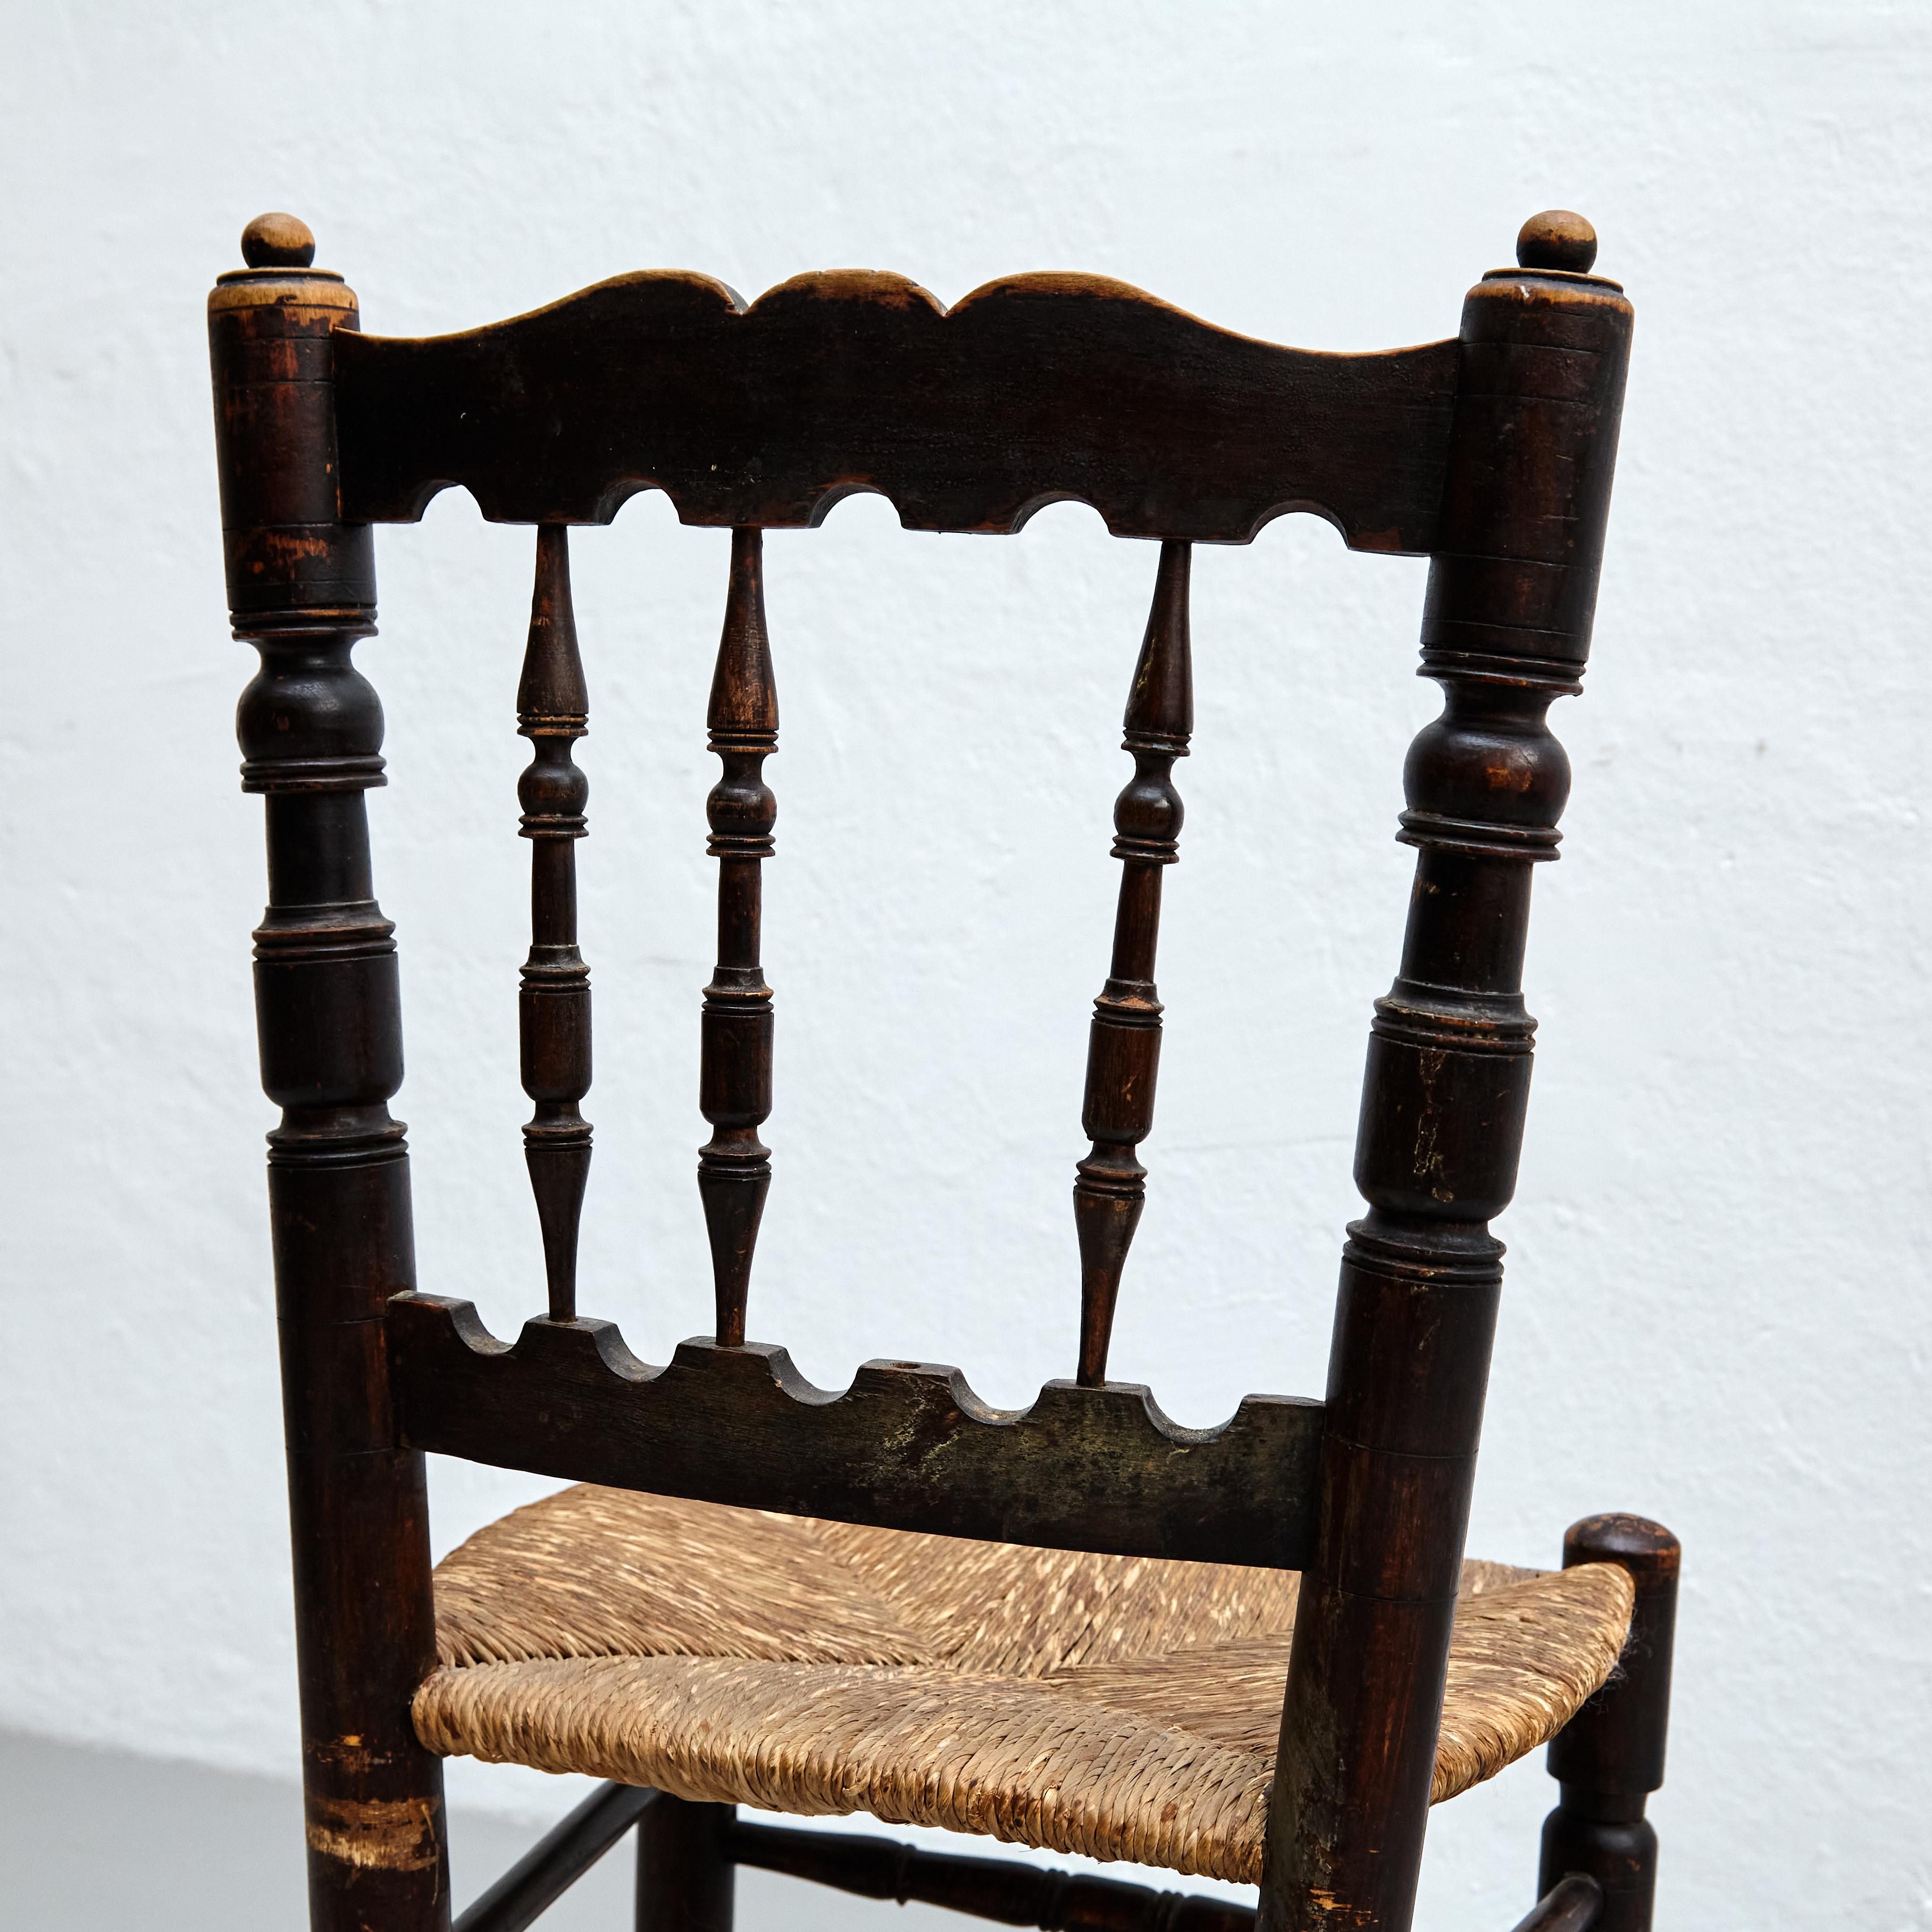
x,y
1610,1757
685,1877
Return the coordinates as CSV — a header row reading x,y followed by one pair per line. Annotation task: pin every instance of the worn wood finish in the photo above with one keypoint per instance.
x,y
1610,1757
1506,629
908,1446
302,590
1001,1889
558,1860
1124,1040
1030,391
734,1166
553,1002
686,1882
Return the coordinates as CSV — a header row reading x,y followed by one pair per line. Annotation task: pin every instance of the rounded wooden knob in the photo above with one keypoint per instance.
x,y
1645,1548
279,241
1554,239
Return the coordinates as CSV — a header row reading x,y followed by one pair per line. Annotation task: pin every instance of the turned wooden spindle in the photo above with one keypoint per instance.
x,y
1123,1042
301,589
553,1002
1506,630
734,1166
1610,1757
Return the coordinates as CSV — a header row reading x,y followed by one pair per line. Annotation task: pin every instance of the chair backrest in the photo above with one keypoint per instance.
x,y
1491,452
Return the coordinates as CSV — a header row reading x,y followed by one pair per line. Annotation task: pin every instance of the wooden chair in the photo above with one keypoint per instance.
x,y
1068,1626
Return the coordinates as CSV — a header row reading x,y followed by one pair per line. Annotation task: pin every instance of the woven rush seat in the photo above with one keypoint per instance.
x,y
1119,1707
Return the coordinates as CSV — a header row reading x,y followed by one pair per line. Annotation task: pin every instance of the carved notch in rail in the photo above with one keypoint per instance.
x,y
908,1446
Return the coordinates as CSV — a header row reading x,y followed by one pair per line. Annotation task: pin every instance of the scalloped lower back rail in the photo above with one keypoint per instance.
x,y
908,1446
1032,390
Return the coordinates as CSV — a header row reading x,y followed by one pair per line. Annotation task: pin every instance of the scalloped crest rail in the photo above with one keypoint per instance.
x,y
1031,391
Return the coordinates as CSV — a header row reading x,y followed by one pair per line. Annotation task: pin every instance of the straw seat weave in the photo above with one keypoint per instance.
x,y
1121,1707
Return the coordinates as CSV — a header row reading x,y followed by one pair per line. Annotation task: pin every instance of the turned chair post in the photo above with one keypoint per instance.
x,y
1506,630
302,590
1610,1757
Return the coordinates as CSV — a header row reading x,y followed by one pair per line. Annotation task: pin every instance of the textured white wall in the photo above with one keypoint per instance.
x,y
1715,1311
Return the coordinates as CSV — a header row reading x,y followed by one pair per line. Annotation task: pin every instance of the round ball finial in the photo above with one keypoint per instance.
x,y
1556,239
277,241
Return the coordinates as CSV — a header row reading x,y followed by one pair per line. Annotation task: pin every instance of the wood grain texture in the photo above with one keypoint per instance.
x,y
908,1446
1032,390
273,331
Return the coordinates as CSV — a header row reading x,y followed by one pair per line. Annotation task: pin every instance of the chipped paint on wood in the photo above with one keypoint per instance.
x,y
375,1834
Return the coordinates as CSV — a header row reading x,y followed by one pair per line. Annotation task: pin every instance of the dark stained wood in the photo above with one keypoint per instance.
x,y
908,1446
273,327
1001,1889
1573,1903
302,590
558,1860
1123,1038
553,1002
686,1882
1030,391
734,1166
1492,453
1506,628
1610,1757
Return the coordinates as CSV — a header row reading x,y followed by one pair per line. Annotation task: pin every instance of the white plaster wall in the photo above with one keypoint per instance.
x,y
1715,1311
